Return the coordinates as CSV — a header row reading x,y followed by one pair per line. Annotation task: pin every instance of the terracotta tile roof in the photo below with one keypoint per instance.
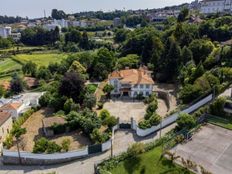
x,y
50,121
11,106
133,76
4,116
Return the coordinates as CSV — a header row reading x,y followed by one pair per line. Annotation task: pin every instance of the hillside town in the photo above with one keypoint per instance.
x,y
146,91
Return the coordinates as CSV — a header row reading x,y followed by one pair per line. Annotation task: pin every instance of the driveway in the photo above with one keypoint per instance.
x,y
211,148
123,139
125,109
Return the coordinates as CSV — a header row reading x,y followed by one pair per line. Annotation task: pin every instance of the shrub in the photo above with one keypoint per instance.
x,y
43,145
154,119
91,88
145,124
104,114
52,147
89,101
189,93
8,143
186,121
98,137
58,128
217,107
150,99
136,149
66,144
152,107
40,145
100,105
110,122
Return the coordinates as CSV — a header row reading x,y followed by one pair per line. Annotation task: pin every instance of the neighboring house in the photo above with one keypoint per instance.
x,y
16,36
4,101
5,126
31,82
216,6
15,109
51,121
5,32
131,82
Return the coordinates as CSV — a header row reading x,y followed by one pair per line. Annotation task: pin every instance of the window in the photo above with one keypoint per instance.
x,y
136,86
147,93
141,86
135,94
147,86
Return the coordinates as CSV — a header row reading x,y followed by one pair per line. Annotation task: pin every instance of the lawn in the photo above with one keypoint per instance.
x,y
147,163
91,88
222,122
41,59
8,64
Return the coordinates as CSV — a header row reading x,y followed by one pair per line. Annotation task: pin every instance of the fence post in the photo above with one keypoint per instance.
x,y
132,123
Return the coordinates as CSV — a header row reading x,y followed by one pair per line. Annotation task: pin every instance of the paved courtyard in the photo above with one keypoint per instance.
x,y
125,109
211,147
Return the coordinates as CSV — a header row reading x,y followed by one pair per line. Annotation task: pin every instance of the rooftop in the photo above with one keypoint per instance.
x,y
50,121
11,106
4,116
133,76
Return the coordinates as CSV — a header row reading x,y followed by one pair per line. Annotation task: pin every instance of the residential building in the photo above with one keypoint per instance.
x,y
5,126
117,22
16,36
15,109
131,82
62,23
5,32
216,6
50,27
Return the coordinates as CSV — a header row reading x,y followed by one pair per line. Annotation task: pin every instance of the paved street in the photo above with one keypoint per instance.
x,y
123,138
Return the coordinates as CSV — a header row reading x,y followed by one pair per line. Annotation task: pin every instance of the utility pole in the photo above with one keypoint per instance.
x,y
17,142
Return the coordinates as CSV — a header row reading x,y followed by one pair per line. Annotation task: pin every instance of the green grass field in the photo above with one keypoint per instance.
x,y
8,64
149,163
41,59
225,123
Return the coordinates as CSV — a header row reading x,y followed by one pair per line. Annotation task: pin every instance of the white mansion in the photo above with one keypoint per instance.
x,y
131,82
215,6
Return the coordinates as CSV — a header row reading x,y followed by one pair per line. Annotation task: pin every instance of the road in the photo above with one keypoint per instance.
x,y
123,139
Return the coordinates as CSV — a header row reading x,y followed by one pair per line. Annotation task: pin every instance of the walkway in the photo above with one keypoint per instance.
x,y
123,139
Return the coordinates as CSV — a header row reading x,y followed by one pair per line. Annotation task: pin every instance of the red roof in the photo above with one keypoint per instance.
x,y
4,116
133,76
11,106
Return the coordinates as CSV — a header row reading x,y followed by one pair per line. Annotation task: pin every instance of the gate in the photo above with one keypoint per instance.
x,y
124,125
94,149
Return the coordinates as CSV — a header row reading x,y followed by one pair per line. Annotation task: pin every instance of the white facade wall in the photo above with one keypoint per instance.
x,y
63,23
4,131
145,89
117,85
5,32
215,6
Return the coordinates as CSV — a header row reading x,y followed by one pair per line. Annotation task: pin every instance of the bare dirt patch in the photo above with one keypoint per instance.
x,y
34,131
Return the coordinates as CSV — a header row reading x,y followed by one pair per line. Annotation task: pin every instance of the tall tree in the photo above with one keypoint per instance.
x,y
16,84
72,85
